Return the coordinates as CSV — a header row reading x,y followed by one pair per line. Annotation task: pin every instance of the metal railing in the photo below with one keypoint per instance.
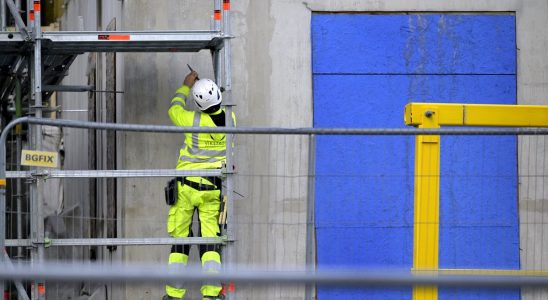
x,y
252,275
252,131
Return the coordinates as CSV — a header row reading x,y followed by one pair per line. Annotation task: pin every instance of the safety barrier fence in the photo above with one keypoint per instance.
x,y
250,275
276,169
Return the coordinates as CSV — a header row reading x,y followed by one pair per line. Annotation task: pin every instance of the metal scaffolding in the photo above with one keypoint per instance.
x,y
40,60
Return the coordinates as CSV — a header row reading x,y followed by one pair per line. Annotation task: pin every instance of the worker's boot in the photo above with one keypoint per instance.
x,y
166,297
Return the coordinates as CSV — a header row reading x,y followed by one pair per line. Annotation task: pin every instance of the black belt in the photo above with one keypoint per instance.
x,y
203,186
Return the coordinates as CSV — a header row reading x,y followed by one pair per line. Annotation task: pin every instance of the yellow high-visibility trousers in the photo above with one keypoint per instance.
x,y
178,225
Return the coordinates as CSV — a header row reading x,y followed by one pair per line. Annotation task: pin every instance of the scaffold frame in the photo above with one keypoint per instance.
x,y
29,40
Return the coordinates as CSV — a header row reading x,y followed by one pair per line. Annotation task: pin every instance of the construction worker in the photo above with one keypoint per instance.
x,y
199,151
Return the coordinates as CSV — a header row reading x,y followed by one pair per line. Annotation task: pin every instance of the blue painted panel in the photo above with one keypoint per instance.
x,y
413,44
370,293
364,252
359,246
478,294
478,204
366,68
478,210
364,185
379,100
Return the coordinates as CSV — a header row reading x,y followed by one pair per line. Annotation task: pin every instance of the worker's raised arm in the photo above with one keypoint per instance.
x,y
178,111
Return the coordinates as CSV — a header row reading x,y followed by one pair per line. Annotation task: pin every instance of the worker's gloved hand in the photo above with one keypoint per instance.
x,y
190,79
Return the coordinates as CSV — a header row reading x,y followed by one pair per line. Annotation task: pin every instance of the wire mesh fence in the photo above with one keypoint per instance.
x,y
307,201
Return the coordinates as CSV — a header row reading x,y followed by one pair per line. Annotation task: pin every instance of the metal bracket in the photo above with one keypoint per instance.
x,y
225,171
39,106
40,174
46,242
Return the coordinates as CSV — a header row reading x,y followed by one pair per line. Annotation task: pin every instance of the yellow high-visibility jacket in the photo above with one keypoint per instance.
x,y
200,150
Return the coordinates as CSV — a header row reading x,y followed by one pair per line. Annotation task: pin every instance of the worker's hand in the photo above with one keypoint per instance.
x,y
190,79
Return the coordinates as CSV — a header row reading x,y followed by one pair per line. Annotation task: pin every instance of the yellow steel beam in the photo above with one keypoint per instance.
x,y
427,169
426,207
479,114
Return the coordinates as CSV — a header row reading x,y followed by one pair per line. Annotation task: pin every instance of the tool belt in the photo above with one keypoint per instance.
x,y
172,193
217,183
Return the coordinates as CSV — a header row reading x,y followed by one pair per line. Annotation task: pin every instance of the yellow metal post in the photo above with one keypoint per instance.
x,y
427,171
426,219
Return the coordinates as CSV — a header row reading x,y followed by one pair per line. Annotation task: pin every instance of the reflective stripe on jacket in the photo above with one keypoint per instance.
x,y
200,150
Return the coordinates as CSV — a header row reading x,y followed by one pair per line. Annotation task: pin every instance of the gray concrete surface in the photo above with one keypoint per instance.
x,y
272,87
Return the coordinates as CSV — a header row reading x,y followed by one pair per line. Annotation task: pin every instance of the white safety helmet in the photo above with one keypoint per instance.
x,y
206,93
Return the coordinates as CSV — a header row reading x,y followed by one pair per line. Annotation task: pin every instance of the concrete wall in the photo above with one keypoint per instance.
x,y
272,87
